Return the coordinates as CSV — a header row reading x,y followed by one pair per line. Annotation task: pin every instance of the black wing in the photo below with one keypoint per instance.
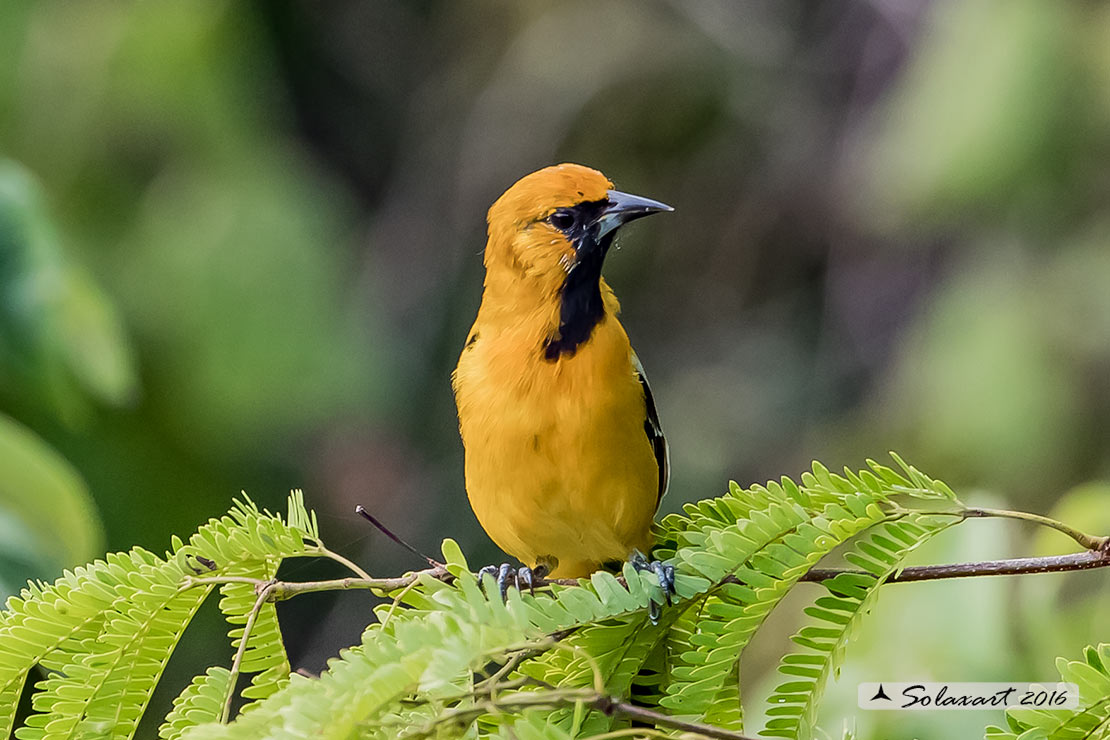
x,y
654,432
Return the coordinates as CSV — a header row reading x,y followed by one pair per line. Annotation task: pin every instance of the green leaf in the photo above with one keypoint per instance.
x,y
103,633
853,596
453,554
60,336
1090,720
201,702
47,518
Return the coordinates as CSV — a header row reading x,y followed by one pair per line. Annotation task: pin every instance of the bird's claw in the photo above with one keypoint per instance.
x,y
664,574
507,575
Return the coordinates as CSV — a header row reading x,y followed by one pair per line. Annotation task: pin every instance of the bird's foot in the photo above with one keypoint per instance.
x,y
663,573
507,575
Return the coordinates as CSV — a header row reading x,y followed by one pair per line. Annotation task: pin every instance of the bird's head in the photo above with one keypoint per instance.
x,y
557,224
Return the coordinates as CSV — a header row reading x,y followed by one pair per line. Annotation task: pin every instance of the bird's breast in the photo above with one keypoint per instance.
x,y
557,460
508,371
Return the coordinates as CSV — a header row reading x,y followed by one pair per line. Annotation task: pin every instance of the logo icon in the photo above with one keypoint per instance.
x,y
880,694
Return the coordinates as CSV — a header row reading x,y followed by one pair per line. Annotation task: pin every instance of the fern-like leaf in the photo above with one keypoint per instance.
x,y
793,705
202,701
1090,721
104,632
785,530
265,655
414,664
449,629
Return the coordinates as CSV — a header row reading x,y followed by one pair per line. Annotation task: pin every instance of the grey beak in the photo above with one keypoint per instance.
x,y
625,207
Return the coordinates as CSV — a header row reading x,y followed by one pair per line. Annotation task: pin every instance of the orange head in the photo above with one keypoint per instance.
x,y
548,236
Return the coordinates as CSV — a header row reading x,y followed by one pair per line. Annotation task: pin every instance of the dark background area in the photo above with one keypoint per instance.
x,y
240,250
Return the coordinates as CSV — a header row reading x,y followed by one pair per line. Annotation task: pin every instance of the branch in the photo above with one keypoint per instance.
x,y
1097,555
1011,567
1086,541
611,706
487,699
590,698
281,590
350,564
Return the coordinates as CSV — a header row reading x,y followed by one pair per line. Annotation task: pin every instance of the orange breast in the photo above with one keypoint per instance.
x,y
558,464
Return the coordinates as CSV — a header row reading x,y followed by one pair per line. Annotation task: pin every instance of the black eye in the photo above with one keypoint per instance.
x,y
562,220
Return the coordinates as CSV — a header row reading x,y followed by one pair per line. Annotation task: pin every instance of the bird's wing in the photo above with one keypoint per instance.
x,y
654,431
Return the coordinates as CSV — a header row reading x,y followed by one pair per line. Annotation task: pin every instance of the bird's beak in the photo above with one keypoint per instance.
x,y
624,207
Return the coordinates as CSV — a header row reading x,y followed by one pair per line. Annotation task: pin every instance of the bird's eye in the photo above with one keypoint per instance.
x,y
562,220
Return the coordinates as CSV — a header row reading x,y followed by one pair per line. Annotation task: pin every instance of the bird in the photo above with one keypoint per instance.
x,y
564,455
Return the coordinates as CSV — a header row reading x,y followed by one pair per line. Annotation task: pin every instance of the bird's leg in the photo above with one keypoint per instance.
x,y
500,574
508,575
663,573
528,576
504,574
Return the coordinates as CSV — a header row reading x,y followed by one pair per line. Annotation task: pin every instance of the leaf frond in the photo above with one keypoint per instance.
x,y
1090,721
836,617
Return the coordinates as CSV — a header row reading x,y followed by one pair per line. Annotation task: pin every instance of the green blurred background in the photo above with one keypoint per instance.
x,y
240,250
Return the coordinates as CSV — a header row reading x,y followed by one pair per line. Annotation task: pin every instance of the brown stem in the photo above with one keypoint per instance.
x,y
565,697
611,706
1011,567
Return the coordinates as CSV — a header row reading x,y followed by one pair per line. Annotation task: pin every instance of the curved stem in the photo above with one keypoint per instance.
x,y
397,602
350,564
237,663
1085,540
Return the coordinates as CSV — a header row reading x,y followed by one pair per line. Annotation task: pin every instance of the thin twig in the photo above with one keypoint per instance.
x,y
1012,567
604,703
287,589
192,581
236,664
519,656
510,665
595,669
397,602
1085,540
354,568
634,732
609,706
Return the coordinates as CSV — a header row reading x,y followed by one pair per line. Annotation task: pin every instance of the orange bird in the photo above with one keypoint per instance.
x,y
565,460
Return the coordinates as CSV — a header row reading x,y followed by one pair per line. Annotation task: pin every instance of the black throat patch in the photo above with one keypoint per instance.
x,y
580,304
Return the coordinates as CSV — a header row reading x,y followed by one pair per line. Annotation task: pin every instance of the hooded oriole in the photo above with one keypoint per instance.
x,y
565,458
